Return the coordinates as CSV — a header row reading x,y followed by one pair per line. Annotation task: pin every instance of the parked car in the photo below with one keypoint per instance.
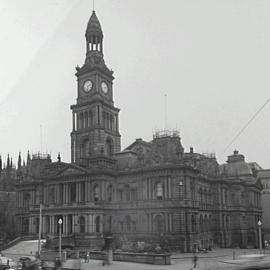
x,y
28,263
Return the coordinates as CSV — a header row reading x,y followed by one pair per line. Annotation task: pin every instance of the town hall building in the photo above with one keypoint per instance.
x,y
152,192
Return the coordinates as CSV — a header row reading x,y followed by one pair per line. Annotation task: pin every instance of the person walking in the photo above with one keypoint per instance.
x,y
194,260
87,257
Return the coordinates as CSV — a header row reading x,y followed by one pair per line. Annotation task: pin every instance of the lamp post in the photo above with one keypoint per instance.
x,y
260,235
60,233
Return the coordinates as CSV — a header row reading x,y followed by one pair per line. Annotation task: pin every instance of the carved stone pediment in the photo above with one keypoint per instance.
x,y
71,171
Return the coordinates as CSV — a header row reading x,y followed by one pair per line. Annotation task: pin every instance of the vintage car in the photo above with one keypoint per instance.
x,y
28,263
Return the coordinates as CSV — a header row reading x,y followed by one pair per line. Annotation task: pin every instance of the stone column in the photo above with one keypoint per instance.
x,y
30,224
86,191
56,188
91,223
67,193
64,224
150,222
117,122
77,192
165,192
169,187
64,193
53,224
43,229
171,222
73,121
75,223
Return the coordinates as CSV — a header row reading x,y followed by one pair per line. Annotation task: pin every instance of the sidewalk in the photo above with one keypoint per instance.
x,y
217,259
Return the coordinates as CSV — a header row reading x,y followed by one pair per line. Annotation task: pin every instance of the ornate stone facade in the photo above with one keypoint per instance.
x,y
151,192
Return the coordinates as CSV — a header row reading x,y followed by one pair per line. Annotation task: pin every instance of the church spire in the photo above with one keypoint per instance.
x,y
28,158
19,161
8,161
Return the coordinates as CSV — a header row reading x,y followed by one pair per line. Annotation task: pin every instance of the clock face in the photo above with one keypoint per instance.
x,y
104,87
87,86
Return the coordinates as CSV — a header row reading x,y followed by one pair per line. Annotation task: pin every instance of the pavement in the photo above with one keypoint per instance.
x,y
23,248
231,259
219,258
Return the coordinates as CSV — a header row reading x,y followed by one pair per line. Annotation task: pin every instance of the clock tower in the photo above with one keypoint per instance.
x,y
95,132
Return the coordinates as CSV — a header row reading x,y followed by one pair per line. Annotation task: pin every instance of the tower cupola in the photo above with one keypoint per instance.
x,y
94,34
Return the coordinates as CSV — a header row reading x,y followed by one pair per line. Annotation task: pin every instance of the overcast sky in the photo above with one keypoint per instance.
x,y
211,58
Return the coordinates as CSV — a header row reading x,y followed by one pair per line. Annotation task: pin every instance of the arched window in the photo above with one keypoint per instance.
x,y
192,190
86,148
200,196
82,191
109,193
109,146
193,223
109,223
201,223
121,226
205,196
128,223
226,196
127,192
86,120
96,193
97,224
73,192
205,223
26,199
211,222
104,119
210,196
82,224
36,222
158,224
81,121
51,195
159,191
227,222
90,119
47,224
134,194
134,226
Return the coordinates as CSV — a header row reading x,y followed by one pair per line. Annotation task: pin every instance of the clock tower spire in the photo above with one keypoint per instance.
x,y
95,130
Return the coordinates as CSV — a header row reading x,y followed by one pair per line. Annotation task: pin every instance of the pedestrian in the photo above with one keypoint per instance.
x,y
194,260
87,257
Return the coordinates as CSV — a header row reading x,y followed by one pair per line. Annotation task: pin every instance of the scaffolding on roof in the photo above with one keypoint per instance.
x,y
41,156
166,133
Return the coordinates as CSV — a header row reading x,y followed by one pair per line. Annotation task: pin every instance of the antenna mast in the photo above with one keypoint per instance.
x,y
41,138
